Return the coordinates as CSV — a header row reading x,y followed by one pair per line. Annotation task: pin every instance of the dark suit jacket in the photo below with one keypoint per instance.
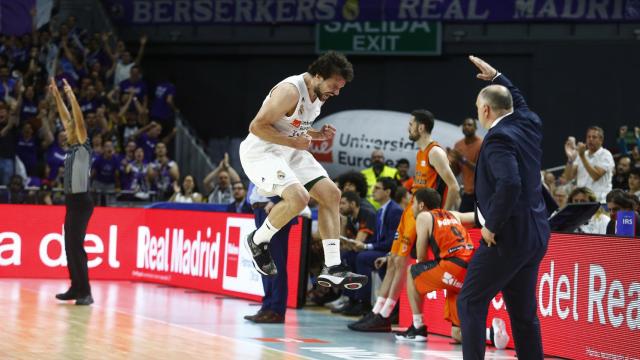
x,y
245,209
383,239
507,181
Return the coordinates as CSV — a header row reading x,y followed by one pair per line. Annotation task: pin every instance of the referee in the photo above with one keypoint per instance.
x,y
77,165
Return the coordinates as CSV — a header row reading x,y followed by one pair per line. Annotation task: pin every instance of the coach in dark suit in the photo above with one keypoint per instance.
x,y
512,211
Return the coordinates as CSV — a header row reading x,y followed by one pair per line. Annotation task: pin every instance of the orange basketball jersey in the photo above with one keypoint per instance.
x,y
426,175
449,238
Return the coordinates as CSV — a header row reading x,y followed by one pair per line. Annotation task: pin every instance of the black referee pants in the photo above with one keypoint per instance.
x,y
79,209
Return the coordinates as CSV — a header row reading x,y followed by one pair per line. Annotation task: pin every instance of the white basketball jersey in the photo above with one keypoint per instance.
x,y
305,113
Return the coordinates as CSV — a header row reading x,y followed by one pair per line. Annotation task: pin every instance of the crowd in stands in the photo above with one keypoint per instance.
x,y
129,122
596,174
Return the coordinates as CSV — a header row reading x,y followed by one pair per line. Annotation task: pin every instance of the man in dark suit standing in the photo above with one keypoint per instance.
x,y
511,209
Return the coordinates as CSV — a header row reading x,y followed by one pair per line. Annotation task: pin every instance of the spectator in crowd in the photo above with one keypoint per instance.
x,y
135,86
127,177
359,227
463,159
549,180
218,182
403,177
8,141
15,193
591,164
598,222
28,104
164,172
627,140
122,61
29,146
163,108
621,178
55,156
634,181
240,204
402,197
138,176
95,125
97,145
132,121
44,195
90,101
387,220
356,182
7,83
188,193
105,172
147,139
561,195
618,200
377,170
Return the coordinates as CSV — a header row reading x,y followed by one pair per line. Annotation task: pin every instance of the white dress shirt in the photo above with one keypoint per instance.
x,y
602,158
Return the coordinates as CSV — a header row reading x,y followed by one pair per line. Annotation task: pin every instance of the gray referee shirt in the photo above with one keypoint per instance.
x,y
77,168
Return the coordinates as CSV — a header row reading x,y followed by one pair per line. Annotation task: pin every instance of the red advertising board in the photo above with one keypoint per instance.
x,y
191,249
588,296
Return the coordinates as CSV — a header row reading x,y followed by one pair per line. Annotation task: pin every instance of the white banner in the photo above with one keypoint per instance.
x,y
360,132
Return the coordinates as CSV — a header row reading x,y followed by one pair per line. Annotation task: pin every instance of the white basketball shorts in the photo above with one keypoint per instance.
x,y
272,167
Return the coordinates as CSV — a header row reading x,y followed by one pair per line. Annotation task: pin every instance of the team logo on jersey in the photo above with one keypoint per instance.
x,y
280,174
296,123
451,281
423,163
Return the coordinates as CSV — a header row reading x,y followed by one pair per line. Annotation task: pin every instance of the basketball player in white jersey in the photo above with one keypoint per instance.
x,y
275,158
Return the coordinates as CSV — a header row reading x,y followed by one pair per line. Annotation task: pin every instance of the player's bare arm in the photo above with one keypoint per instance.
x,y
282,102
424,223
466,219
438,159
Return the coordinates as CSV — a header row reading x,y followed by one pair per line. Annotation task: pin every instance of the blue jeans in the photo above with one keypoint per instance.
x,y
7,169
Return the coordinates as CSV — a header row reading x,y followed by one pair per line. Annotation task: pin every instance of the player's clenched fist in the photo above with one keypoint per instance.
x,y
301,142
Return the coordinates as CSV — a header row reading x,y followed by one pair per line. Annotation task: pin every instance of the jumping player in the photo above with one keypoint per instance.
x,y
275,158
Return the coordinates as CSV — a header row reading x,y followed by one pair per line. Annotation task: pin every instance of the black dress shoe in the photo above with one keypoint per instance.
x,y
84,300
69,295
375,324
269,317
366,317
254,316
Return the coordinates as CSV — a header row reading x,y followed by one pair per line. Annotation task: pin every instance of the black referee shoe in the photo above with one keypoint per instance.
x,y
68,295
340,276
84,300
260,256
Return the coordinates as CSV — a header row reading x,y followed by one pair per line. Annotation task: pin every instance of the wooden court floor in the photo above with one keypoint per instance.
x,y
147,321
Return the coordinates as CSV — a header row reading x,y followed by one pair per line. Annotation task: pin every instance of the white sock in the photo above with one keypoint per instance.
x,y
264,233
417,321
388,308
331,249
379,304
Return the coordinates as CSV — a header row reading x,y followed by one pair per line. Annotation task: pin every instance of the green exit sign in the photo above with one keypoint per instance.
x,y
380,37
